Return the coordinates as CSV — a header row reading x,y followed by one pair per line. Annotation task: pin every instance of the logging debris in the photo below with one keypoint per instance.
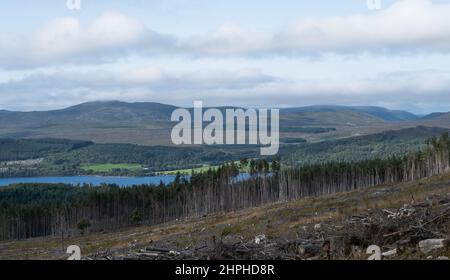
x,y
416,231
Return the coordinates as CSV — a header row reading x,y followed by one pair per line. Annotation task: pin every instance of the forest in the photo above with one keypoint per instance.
x,y
56,157
42,210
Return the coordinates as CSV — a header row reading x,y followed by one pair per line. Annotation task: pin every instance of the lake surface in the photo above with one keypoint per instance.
x,y
93,180
99,180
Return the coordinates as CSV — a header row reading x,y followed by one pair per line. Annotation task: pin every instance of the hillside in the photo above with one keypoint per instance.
x,y
149,123
352,220
432,116
327,118
376,112
379,145
438,119
221,190
295,230
67,157
93,112
114,121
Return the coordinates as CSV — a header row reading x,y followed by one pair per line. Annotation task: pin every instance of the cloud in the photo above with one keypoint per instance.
x,y
59,89
66,40
407,26
420,91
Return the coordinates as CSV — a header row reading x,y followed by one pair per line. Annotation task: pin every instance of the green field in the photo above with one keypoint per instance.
x,y
111,167
203,168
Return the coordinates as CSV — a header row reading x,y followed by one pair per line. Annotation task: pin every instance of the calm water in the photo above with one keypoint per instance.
x,y
93,180
98,180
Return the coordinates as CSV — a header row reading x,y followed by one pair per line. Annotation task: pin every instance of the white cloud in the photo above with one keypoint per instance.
x,y
59,89
245,87
407,26
66,36
66,40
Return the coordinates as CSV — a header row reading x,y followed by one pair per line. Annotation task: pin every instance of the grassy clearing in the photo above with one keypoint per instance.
x,y
111,167
203,168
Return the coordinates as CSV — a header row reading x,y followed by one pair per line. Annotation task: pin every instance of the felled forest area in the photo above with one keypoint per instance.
x,y
413,231
41,210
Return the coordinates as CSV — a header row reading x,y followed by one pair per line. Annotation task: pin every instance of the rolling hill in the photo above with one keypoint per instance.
x,y
437,119
149,123
376,112
112,121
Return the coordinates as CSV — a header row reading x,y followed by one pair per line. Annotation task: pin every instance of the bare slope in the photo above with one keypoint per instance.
x,y
392,217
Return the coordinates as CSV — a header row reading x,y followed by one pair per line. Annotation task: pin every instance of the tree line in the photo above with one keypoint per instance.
x,y
42,210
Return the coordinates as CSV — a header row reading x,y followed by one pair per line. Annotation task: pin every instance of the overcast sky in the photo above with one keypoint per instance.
x,y
254,53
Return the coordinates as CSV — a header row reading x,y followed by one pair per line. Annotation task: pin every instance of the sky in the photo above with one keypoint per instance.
x,y
253,53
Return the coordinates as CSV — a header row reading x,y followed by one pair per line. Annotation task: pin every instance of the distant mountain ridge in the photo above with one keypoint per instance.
x,y
148,123
99,111
378,112
434,115
119,110
105,121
